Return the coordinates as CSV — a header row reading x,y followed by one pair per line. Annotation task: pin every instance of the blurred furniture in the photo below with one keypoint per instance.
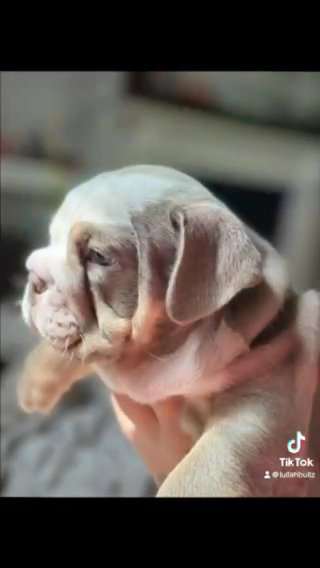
x,y
290,100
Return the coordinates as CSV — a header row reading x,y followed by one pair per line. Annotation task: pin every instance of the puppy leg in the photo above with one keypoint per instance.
x,y
245,438
47,375
207,471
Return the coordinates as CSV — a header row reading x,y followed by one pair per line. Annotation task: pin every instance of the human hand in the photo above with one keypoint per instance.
x,y
154,431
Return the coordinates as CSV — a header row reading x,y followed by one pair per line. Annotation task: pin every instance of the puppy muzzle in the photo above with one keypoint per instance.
x,y
45,305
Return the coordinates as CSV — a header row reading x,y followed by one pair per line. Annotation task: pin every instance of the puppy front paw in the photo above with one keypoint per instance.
x,y
37,395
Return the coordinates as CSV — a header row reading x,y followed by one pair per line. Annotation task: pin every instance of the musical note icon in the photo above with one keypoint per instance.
x,y
295,445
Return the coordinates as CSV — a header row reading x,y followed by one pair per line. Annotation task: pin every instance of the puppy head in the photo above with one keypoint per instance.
x,y
81,298
114,287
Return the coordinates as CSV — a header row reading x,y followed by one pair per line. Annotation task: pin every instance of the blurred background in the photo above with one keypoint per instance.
x,y
251,137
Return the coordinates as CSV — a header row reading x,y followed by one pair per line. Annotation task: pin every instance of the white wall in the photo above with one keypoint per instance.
x,y
68,107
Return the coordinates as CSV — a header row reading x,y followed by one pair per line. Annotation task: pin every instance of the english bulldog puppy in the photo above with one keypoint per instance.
x,y
152,283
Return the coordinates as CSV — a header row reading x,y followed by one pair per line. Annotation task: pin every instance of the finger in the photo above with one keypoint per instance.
x,y
132,414
168,412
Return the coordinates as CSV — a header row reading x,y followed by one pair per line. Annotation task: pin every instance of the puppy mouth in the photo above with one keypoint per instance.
x,y
65,347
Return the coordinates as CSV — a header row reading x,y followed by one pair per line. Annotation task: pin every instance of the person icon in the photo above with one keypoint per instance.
x,y
267,475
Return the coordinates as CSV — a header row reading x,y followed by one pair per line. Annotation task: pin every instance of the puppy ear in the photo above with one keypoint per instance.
x,y
156,240
215,260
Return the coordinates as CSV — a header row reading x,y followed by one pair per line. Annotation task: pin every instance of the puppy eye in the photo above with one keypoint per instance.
x,y
97,257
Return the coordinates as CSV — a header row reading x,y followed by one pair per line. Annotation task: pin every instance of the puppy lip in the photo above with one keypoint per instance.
x,y
62,347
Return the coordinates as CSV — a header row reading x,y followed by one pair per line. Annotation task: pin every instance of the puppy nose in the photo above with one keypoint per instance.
x,y
39,286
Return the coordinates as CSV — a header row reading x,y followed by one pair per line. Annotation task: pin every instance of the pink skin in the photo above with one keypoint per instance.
x,y
48,310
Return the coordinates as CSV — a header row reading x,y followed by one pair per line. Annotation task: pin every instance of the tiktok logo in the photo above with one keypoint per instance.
x,y
295,445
